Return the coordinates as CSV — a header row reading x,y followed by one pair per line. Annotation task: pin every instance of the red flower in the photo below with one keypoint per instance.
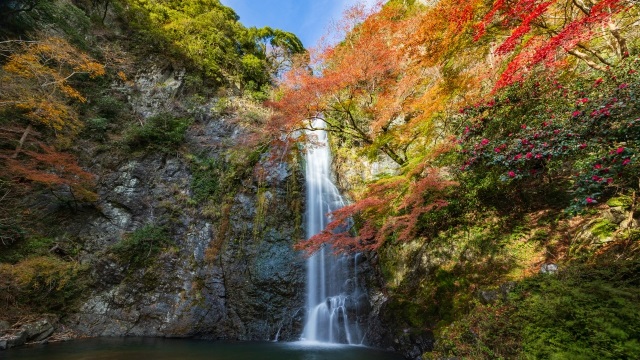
x,y
576,113
626,161
484,141
517,157
597,166
623,86
512,174
620,150
582,146
590,200
609,180
529,155
523,126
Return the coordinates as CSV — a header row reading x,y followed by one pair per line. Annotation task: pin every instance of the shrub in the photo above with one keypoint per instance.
x,y
44,282
585,133
96,128
161,132
139,248
20,250
110,107
584,312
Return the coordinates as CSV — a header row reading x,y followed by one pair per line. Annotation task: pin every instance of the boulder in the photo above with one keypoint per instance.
x,y
14,339
37,330
629,224
548,269
615,214
488,296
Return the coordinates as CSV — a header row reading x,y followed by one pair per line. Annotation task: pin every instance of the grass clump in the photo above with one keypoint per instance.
x,y
163,132
140,248
46,283
603,228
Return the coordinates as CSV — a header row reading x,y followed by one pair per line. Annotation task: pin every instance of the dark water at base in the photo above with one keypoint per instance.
x,y
171,349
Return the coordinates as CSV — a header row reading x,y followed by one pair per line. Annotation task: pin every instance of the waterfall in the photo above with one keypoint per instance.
x,y
332,291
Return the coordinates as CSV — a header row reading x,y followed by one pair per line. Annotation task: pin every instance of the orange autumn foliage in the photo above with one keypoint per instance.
x,y
35,81
53,169
390,207
37,96
394,86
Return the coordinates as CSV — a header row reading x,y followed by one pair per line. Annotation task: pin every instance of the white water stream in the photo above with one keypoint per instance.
x,y
331,293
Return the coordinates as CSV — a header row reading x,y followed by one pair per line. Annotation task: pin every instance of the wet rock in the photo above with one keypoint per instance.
x,y
37,330
13,339
224,276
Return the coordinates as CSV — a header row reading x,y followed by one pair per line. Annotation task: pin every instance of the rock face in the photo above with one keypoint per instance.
x,y
29,332
386,329
230,271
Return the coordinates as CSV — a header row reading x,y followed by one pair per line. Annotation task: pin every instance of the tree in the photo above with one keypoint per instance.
x,y
541,31
344,94
54,170
35,84
37,95
387,85
210,35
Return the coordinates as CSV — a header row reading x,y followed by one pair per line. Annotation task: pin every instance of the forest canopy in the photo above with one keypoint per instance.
x,y
210,35
410,80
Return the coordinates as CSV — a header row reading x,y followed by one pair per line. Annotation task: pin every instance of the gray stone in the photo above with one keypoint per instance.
x,y
13,339
488,296
244,284
37,330
507,287
615,214
629,224
549,269
4,325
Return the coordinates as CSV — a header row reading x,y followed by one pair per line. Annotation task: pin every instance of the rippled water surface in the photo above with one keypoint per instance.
x,y
165,349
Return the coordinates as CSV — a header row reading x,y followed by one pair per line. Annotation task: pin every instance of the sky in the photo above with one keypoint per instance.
x,y
308,19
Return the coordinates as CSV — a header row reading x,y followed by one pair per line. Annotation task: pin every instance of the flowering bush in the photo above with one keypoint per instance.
x,y
586,133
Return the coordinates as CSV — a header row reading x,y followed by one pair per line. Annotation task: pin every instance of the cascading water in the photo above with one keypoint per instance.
x,y
332,291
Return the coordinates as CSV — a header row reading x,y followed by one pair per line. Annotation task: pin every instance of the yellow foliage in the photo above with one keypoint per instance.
x,y
37,273
35,80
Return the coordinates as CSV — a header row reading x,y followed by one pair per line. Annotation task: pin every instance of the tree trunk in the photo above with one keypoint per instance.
x,y
22,140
